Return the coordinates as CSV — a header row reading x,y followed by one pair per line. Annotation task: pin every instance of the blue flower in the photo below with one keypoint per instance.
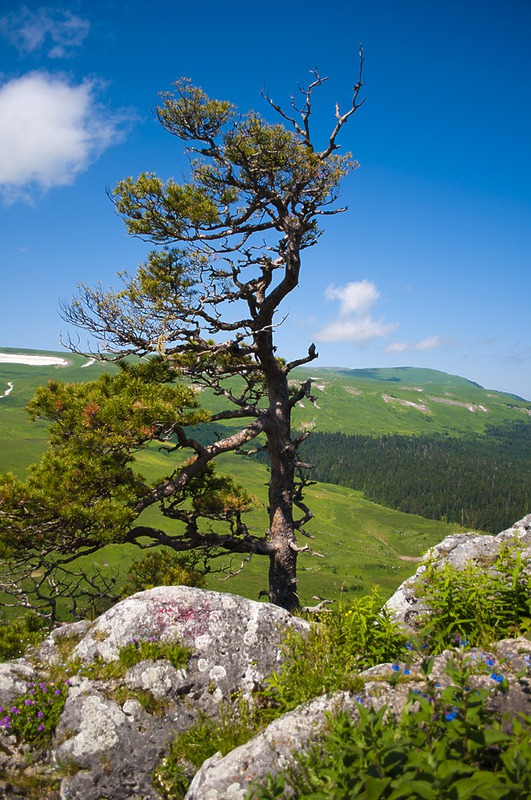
x,y
396,667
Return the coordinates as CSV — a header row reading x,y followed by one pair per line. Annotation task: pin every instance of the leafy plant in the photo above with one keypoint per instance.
x,y
152,650
332,654
443,746
162,568
34,715
479,603
20,634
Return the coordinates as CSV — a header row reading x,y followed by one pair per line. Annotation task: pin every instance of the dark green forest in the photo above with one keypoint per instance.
x,y
482,482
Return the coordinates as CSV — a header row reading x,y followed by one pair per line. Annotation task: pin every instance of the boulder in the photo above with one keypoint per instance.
x,y
235,642
108,742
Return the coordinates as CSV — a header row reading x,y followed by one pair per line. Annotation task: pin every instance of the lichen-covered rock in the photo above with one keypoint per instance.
x,y
114,747
235,642
14,679
110,749
457,550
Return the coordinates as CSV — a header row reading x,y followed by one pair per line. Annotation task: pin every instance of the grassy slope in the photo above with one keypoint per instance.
x,y
406,400
363,543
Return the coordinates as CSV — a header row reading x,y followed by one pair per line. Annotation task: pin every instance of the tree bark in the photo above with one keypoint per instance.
x,y
283,456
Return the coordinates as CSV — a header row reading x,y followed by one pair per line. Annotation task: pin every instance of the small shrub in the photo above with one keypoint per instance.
x,y
163,568
151,650
21,634
330,657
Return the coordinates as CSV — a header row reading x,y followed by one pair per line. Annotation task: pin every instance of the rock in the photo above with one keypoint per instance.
x,y
14,678
235,643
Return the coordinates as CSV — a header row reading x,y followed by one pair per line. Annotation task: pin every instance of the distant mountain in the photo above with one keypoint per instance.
x,y
404,400
375,401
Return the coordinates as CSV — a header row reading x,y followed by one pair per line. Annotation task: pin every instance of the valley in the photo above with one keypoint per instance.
x,y
362,543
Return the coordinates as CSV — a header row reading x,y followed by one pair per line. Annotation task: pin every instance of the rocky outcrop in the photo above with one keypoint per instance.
x,y
106,741
272,751
113,731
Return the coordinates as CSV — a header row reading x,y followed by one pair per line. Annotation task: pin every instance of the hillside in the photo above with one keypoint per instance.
x,y
374,402
363,543
405,400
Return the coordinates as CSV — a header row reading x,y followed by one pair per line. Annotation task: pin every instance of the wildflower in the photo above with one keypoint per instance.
x,y
396,668
451,715
496,677
406,672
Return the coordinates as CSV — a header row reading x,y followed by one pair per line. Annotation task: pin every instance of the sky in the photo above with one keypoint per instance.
x,y
430,266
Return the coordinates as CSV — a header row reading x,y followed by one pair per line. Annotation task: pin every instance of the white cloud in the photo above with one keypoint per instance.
x,y
355,324
398,347
31,31
355,298
360,330
50,131
425,344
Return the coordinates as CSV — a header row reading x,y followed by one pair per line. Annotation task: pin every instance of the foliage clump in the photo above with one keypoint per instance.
x,y
444,746
478,604
34,715
337,648
162,568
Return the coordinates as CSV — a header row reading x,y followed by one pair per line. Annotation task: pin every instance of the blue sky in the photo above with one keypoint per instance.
x,y
430,266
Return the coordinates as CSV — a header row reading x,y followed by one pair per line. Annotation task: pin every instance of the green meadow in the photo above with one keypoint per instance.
x,y
361,543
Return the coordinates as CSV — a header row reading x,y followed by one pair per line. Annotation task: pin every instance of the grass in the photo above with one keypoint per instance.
x,y
363,544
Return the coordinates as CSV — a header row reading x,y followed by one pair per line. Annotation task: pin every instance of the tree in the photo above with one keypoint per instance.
x,y
202,310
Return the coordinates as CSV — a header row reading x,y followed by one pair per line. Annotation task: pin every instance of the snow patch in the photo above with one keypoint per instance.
x,y
32,361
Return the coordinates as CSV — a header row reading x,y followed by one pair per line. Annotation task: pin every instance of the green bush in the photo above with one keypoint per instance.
x,y
20,634
330,657
235,725
34,715
446,747
163,568
152,650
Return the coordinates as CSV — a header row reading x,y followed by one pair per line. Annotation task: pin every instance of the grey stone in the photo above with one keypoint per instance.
x,y
14,679
235,642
